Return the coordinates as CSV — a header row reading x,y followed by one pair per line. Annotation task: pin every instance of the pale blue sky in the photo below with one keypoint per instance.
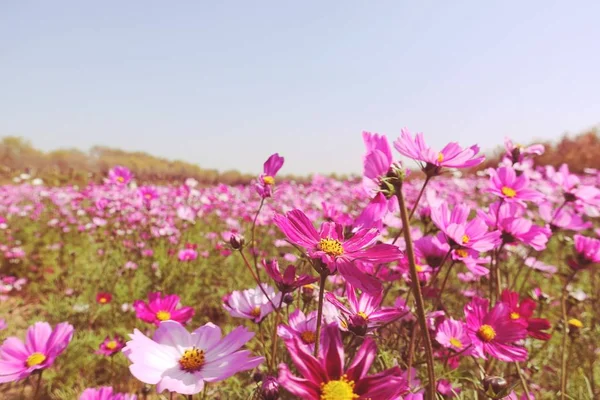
x,y
225,84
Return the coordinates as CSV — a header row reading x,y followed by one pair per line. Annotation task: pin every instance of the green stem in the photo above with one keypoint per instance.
x,y
420,304
320,312
563,369
275,335
38,385
413,209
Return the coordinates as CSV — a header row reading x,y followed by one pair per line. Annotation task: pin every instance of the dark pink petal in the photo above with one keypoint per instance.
x,y
362,361
357,278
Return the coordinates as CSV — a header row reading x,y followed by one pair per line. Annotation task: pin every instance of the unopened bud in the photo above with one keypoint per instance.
x,y
257,376
270,389
237,241
288,298
494,385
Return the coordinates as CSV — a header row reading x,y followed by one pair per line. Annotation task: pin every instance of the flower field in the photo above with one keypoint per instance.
x,y
420,280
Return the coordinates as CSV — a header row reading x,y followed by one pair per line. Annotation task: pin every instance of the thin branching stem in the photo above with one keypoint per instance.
x,y
416,287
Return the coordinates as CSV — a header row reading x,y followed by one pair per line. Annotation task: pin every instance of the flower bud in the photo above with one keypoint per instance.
x,y
237,241
270,389
257,376
494,386
288,298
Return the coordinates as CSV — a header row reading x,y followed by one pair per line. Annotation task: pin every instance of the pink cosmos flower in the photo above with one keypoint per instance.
x,y
538,265
587,252
431,251
336,252
365,313
506,218
147,194
453,335
181,362
493,332
326,378
462,234
516,153
3,324
105,393
288,281
562,218
252,303
110,347
120,176
445,388
162,308
377,162
266,181
523,312
301,326
451,156
505,184
187,255
42,345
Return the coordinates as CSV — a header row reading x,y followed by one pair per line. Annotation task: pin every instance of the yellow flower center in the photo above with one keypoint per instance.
x,y
120,179
341,389
462,253
465,239
574,322
163,315
486,333
440,157
509,192
514,315
103,300
148,196
332,247
111,345
35,359
456,343
255,312
362,315
192,360
419,268
268,180
308,337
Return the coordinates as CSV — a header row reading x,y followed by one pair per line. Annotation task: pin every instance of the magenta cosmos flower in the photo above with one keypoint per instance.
x,y
105,393
523,312
365,313
288,281
451,156
162,308
120,175
326,379
111,346
181,362
187,255
266,181
505,184
493,332
338,253
42,345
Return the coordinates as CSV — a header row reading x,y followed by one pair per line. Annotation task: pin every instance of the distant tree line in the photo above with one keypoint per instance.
x,y
68,166
73,166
